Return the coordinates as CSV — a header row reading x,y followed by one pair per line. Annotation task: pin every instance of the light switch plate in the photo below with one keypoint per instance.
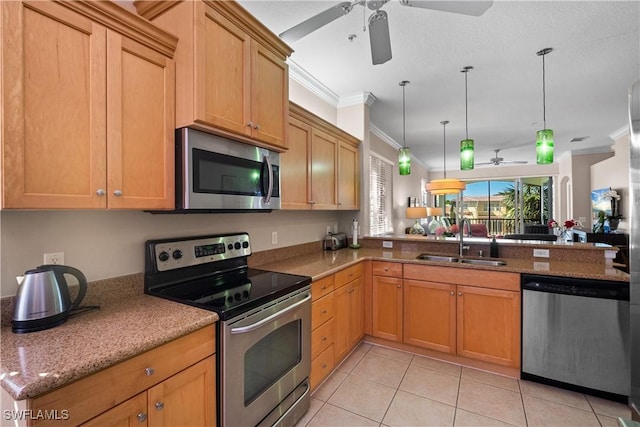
x,y
541,253
387,244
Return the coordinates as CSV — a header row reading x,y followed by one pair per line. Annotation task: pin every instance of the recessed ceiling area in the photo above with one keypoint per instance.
x,y
595,59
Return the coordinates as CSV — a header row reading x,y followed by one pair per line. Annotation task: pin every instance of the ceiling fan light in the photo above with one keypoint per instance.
x,y
404,161
466,154
544,147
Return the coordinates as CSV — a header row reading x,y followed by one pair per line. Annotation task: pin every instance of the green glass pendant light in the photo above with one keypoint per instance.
x,y
404,155
466,145
544,137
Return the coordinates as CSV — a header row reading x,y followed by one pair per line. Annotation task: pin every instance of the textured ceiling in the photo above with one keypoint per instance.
x,y
595,60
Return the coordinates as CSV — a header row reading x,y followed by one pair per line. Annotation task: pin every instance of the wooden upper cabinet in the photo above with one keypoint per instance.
x,y
80,79
321,168
348,177
231,75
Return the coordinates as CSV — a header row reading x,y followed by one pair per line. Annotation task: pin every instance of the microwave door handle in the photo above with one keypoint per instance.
x,y
267,198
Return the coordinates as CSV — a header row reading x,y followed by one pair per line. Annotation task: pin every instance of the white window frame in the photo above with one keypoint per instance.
x,y
380,222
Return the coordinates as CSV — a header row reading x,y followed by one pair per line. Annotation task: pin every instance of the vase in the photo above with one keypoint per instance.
x,y
566,236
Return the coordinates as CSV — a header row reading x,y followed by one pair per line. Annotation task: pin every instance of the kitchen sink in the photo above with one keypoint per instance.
x,y
477,261
443,258
453,258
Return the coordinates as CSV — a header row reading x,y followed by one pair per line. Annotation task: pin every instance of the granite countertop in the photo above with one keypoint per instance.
x,y
325,263
37,362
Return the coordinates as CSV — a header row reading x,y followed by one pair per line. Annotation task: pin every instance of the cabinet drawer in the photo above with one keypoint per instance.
x,y
348,274
322,310
97,393
464,276
322,337
322,366
322,287
391,269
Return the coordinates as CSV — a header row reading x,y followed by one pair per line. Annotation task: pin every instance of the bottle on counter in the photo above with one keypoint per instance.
x,y
493,248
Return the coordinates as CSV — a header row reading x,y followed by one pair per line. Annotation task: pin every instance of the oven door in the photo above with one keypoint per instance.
x,y
265,356
219,173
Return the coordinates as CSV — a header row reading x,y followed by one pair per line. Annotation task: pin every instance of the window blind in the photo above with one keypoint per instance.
x,y
380,196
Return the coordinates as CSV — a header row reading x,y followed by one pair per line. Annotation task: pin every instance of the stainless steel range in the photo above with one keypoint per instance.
x,y
264,336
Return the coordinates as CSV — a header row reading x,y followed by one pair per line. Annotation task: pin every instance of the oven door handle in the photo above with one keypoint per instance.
x,y
267,198
274,316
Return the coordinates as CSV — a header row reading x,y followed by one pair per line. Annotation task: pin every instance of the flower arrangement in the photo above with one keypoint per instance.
x,y
611,195
568,224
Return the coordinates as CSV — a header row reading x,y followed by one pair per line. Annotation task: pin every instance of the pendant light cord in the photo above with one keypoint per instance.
x,y
444,148
544,95
404,141
466,108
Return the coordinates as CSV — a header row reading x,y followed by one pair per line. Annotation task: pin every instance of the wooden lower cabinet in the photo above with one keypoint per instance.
x,y
185,399
387,301
173,384
448,314
349,317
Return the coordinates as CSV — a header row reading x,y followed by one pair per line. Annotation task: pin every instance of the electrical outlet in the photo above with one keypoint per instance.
x,y
387,244
54,258
328,229
541,253
274,237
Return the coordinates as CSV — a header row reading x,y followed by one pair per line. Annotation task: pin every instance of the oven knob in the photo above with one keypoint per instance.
x,y
177,254
163,256
245,245
237,296
245,294
237,245
230,299
230,246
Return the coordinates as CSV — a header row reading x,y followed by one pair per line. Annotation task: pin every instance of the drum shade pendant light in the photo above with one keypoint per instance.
x,y
544,137
445,186
466,145
404,155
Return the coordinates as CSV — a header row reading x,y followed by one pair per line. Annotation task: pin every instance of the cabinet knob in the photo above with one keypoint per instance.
x,y
452,293
250,124
398,286
323,312
142,417
386,269
324,287
459,293
323,366
159,406
324,338
149,371
117,193
101,192
257,127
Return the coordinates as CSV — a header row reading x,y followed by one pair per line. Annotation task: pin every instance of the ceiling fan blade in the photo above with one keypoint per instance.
x,y
515,162
379,37
304,28
470,7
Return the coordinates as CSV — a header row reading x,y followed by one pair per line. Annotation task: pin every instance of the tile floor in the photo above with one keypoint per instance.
x,y
378,386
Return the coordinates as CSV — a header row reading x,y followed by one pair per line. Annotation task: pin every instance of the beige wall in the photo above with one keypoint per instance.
x,y
614,172
581,185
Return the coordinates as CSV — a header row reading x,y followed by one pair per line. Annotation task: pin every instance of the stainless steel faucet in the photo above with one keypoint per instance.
x,y
461,234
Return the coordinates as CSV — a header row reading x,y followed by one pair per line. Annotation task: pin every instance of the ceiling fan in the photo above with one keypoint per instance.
x,y
497,160
378,21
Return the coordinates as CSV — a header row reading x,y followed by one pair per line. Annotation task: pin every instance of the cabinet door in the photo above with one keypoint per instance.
x,y
387,308
223,74
130,413
187,398
488,326
295,168
324,151
430,315
341,341
269,97
348,177
356,312
54,118
140,115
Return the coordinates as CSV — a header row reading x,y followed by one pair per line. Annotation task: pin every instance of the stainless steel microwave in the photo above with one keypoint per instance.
x,y
214,174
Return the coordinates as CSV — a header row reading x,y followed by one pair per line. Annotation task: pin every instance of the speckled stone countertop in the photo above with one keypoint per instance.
x,y
124,326
321,264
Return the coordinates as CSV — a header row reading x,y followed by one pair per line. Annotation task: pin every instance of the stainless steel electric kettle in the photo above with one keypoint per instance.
x,y
43,299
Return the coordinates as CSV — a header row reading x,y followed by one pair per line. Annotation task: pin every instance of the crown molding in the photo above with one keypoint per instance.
x,y
624,130
361,98
313,85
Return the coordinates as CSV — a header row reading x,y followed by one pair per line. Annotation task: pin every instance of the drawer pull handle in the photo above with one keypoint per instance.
x,y
324,287
386,269
159,406
324,311
323,366
142,417
149,371
324,338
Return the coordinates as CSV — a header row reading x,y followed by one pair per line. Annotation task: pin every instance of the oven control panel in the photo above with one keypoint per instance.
x,y
174,253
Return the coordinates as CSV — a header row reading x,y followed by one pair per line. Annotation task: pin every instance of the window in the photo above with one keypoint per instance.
x,y
380,197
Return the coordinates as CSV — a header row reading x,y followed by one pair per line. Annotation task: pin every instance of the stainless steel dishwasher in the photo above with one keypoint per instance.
x,y
575,334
